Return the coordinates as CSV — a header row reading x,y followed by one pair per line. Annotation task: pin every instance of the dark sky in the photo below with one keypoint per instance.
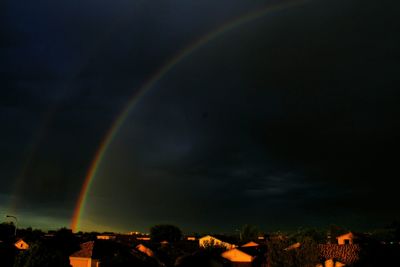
x,y
288,120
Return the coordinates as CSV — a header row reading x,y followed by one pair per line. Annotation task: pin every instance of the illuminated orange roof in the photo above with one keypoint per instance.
x,y
251,244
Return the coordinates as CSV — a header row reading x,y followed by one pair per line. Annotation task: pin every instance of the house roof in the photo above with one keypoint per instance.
x,y
250,244
21,244
349,234
223,238
252,251
348,254
236,255
293,246
142,248
86,250
20,240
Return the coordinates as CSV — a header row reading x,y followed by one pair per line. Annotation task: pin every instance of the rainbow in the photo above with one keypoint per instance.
x,y
30,153
161,72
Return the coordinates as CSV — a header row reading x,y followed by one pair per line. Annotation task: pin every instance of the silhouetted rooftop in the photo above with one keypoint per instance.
x,y
86,250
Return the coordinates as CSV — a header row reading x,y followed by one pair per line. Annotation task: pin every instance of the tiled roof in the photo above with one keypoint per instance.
x,y
86,250
347,254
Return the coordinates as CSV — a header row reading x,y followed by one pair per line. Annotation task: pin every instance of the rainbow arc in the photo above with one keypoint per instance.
x,y
156,77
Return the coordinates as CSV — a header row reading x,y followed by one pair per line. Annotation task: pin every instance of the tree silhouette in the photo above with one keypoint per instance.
x,y
65,241
7,232
249,232
41,255
165,232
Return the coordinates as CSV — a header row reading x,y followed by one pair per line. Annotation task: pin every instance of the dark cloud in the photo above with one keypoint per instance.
x,y
290,119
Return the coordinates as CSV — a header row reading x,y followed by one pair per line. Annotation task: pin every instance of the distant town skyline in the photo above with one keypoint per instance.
x,y
274,113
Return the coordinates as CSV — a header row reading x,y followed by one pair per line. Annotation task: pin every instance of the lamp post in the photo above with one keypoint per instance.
x,y
16,223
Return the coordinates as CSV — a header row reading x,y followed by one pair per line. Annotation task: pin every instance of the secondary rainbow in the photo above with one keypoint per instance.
x,y
161,72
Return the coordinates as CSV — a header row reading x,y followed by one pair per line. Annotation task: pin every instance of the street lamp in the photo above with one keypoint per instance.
x,y
16,223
